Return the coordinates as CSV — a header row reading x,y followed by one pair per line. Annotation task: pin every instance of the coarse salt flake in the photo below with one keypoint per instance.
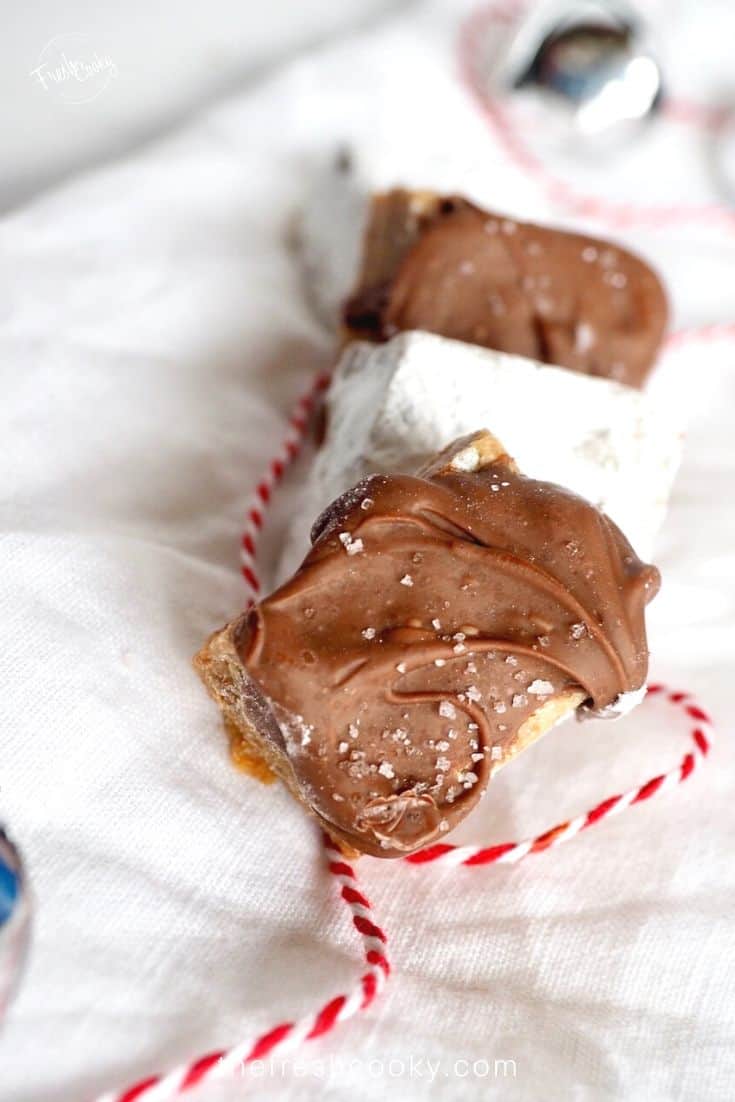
x,y
540,688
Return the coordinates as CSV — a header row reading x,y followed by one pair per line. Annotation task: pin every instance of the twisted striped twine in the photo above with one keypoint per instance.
x,y
287,1036
509,853
292,444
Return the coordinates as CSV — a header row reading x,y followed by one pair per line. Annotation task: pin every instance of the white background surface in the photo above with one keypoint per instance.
x,y
171,59
153,331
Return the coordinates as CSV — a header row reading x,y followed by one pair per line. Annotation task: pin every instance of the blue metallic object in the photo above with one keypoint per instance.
x,y
15,919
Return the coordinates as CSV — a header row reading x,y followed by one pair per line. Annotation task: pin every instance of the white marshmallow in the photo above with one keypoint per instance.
x,y
391,406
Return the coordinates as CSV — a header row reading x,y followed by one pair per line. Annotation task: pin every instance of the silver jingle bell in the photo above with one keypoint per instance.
x,y
590,64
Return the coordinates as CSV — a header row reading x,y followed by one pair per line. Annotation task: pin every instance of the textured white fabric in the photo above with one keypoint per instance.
x,y
153,330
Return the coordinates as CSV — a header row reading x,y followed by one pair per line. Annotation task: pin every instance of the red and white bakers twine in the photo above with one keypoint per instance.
x,y
509,853
286,1036
291,447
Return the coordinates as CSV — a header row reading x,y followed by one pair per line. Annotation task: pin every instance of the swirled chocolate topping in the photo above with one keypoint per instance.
x,y
438,624
446,266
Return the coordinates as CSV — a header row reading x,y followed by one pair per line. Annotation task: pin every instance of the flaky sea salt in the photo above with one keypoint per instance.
x,y
406,580
519,700
352,547
369,633
386,770
436,624
473,693
447,710
577,631
540,688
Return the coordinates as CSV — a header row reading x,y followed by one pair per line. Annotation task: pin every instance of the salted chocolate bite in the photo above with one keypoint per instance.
x,y
439,625
448,267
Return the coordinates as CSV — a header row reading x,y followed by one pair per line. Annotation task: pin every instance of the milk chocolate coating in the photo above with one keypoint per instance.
x,y
430,619
446,266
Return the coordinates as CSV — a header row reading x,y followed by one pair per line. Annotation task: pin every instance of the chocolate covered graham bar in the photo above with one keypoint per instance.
x,y
440,624
442,264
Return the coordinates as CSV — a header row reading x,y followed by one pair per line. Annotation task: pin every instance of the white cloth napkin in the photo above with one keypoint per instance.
x,y
153,331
